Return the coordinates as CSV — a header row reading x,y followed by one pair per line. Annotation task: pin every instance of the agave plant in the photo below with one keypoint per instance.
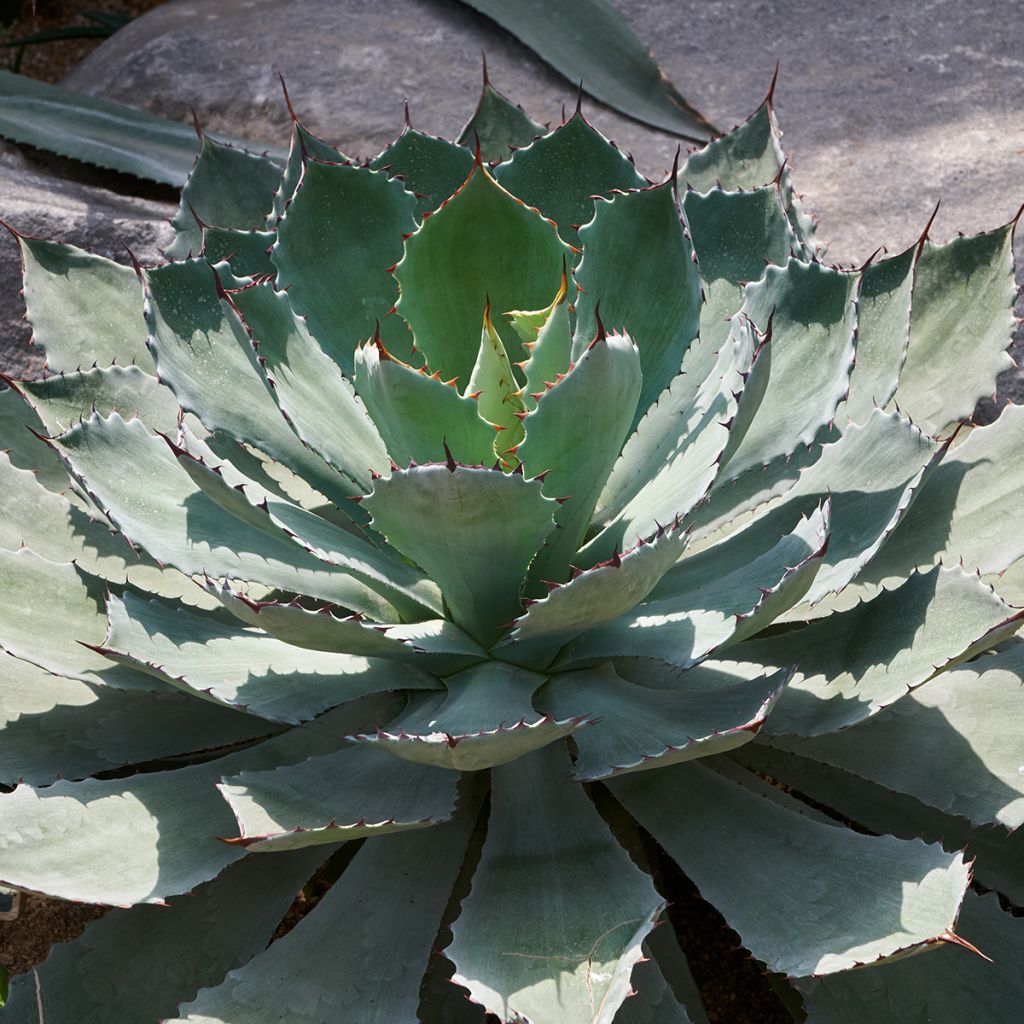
x,y
491,525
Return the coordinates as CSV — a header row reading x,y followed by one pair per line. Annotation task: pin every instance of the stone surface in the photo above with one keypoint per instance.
x,y
887,108
38,202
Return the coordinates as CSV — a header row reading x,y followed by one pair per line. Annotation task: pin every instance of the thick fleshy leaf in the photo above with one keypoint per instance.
x,y
452,266
658,302
734,235
227,188
588,412
484,718
962,510
84,310
947,986
497,125
854,663
176,950
280,519
454,522
241,667
813,316
682,627
960,328
653,1000
547,336
310,390
134,477
599,594
748,157
247,253
671,460
379,921
954,744
496,390
18,423
639,727
417,413
591,41
837,898
204,355
561,173
97,131
557,914
869,476
436,645
143,838
430,168
53,727
995,853
51,612
349,794
304,145
883,333
336,243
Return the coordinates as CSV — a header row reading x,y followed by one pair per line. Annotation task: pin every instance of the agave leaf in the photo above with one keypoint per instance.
x,y
591,41
599,594
227,188
963,508
652,1000
945,987
670,461
84,309
380,919
313,395
204,355
430,168
870,475
962,290
98,131
134,478
497,125
680,628
813,316
453,522
587,412
451,268
20,427
53,727
348,794
336,243
566,911
485,718
996,853
547,335
303,147
854,663
417,413
638,728
883,333
176,950
952,744
561,173
53,610
838,899
143,838
402,586
494,385
658,302
240,667
748,157
246,252
735,234
664,951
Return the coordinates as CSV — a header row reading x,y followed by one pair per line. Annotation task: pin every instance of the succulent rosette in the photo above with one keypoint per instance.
x,y
484,521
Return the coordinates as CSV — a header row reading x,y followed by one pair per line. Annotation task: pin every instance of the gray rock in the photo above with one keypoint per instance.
x,y
36,202
887,108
